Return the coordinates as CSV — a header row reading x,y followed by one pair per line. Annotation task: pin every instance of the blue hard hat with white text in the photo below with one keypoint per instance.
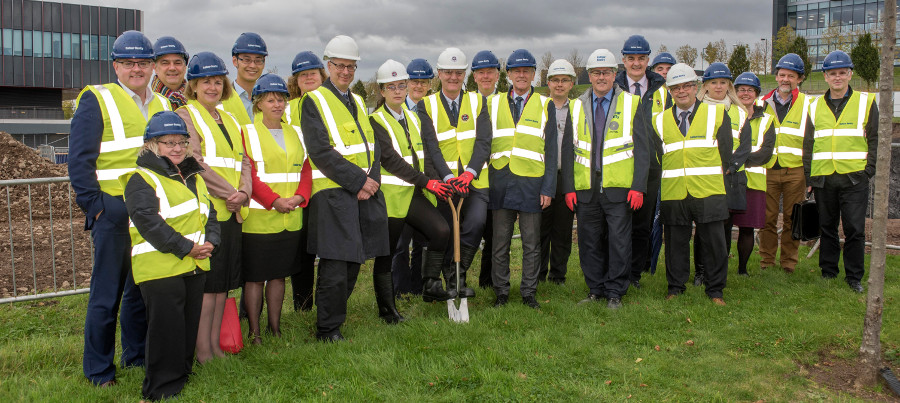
x,y
419,69
249,42
269,83
205,64
664,57
484,60
793,62
717,70
168,45
164,123
520,58
636,45
748,78
305,61
132,45
837,60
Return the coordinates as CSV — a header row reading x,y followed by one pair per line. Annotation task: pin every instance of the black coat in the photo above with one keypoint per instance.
x,y
340,226
143,205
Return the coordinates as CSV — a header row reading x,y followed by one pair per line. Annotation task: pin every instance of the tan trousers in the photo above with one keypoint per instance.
x,y
790,184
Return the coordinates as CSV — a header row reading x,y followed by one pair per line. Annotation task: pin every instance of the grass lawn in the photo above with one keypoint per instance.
x,y
650,350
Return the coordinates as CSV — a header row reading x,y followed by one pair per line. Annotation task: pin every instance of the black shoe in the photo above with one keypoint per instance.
x,y
636,284
698,280
334,338
558,281
591,298
855,286
501,300
743,273
531,302
828,276
614,303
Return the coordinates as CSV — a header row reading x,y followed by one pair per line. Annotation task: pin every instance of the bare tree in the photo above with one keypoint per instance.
x,y
836,38
577,61
663,48
272,70
710,53
546,60
870,347
758,58
687,54
722,53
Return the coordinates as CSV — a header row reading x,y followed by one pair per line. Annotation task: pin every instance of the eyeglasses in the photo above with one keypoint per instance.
x,y
259,61
746,90
128,64
340,67
172,144
418,82
682,87
176,62
400,87
601,73
560,80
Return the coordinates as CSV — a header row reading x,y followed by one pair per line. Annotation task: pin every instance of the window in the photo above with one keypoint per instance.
x,y
85,47
792,20
846,15
801,20
17,42
38,47
823,18
26,42
836,15
859,14
104,47
76,46
871,13
57,45
7,42
48,45
95,47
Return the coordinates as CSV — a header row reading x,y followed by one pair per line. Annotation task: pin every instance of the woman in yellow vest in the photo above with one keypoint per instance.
x,y
216,141
761,130
403,181
173,233
308,74
281,187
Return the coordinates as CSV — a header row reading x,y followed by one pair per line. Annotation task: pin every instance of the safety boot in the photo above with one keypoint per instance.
x,y
432,290
466,255
384,297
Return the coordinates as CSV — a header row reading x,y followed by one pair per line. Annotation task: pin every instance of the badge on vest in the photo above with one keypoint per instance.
x,y
465,117
613,125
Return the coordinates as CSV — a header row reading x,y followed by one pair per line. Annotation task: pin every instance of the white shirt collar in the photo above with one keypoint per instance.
x,y
643,82
142,105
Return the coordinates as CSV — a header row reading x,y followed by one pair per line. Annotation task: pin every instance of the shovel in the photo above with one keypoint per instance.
x,y
460,314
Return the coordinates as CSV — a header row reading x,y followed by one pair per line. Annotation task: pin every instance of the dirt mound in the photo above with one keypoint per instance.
x,y
22,162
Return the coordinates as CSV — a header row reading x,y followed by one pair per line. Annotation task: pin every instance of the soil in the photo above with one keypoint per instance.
x,y
839,374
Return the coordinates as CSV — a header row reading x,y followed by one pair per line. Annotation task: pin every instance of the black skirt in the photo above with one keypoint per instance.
x,y
225,263
271,256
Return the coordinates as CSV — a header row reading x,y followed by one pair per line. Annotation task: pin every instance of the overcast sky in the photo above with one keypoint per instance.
x,y
404,30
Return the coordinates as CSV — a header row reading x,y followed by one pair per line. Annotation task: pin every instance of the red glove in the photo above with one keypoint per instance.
x,y
571,200
636,199
461,183
440,189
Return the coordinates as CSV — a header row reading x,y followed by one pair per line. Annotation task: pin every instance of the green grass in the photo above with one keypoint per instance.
x,y
746,351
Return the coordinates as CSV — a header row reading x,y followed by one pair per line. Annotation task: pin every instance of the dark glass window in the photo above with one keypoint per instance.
x,y
836,15
37,43
859,14
95,47
7,42
17,42
26,43
847,15
801,20
76,46
67,45
57,45
104,47
48,45
85,46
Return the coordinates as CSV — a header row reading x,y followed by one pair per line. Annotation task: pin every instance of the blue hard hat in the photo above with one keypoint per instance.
x,y
717,70
419,69
520,58
791,61
636,45
132,45
485,59
750,79
249,42
837,60
269,83
205,64
167,45
664,57
305,61
163,123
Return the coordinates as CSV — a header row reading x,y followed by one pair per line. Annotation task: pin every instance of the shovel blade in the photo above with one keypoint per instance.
x,y
461,314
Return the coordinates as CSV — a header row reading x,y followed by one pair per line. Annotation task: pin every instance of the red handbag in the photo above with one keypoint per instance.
x,y
231,339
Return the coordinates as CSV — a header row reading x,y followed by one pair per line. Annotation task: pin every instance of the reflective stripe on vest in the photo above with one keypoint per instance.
x,y
756,176
224,160
457,143
397,192
840,143
280,169
618,144
659,100
354,147
234,105
581,136
691,162
789,132
521,142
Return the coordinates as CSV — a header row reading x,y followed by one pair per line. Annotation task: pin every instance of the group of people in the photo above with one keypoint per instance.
x,y
194,184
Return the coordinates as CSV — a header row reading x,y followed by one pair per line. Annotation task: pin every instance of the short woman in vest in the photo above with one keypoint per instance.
x,y
282,182
308,73
404,184
761,130
173,233
217,146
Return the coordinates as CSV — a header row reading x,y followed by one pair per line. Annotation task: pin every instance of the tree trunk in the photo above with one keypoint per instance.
x,y
870,349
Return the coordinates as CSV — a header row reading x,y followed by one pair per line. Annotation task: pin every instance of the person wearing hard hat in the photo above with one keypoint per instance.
x,y
171,60
523,174
486,72
785,182
348,218
406,269
697,153
662,63
457,123
718,89
556,220
638,79
174,232
308,73
760,128
248,55
113,115
404,181
217,145
605,170
282,180
839,160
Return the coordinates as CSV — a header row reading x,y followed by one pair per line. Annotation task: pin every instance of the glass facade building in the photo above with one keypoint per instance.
x,y
811,18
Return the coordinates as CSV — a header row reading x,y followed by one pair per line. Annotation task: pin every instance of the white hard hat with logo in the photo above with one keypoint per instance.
x,y
680,73
560,67
452,59
342,47
390,71
602,58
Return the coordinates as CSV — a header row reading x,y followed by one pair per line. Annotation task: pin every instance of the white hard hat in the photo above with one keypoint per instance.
x,y
391,71
680,73
602,58
560,67
342,47
452,59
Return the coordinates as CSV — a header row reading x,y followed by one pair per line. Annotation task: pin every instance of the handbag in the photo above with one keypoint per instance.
x,y
805,217
231,339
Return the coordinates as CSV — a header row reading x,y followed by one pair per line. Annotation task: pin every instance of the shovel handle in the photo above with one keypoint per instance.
x,y
455,211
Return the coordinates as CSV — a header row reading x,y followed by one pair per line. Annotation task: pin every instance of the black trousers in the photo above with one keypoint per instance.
x,y
302,282
485,279
556,237
842,203
713,255
406,266
173,317
422,217
641,226
333,288
604,244
473,218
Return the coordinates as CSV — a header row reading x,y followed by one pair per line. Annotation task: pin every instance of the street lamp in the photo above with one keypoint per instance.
x,y
765,55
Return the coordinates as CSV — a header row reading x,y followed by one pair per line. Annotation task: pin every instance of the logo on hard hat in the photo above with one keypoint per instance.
x,y
209,66
171,124
303,62
787,62
134,48
453,58
253,45
465,117
601,58
166,46
393,74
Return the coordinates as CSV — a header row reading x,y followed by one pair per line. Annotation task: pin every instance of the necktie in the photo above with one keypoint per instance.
x,y
683,125
637,89
349,102
518,112
454,113
412,150
599,124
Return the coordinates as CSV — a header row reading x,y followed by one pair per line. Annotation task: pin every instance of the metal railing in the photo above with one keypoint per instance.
x,y
40,236
33,112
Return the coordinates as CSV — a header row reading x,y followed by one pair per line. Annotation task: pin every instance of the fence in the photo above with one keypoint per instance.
x,y
33,112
